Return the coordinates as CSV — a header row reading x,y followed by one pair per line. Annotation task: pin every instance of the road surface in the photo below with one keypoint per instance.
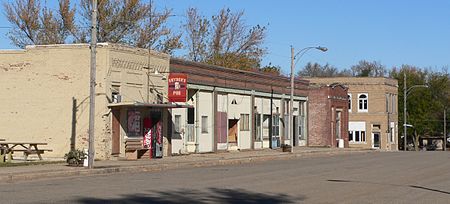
x,y
376,177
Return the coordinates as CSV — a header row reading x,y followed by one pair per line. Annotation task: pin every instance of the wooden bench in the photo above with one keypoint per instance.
x,y
134,149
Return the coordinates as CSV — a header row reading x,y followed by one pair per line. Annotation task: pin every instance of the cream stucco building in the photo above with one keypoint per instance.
x,y
45,95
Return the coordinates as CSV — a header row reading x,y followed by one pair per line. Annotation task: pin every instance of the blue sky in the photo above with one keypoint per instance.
x,y
392,32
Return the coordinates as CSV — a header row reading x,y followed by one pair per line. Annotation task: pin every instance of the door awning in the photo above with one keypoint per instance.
x,y
148,105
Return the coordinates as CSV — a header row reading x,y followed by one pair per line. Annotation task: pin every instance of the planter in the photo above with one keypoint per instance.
x,y
286,148
75,158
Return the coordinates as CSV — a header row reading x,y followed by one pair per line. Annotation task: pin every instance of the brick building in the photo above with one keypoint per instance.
x,y
373,110
328,116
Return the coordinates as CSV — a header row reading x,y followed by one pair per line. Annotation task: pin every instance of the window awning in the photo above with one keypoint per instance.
x,y
148,105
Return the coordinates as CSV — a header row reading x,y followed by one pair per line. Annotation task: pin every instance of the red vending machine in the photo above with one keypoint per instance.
x,y
148,135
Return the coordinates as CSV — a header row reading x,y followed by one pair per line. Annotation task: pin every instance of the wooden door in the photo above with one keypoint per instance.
x,y
115,132
232,130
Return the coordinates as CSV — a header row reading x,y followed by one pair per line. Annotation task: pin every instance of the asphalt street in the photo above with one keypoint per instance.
x,y
375,177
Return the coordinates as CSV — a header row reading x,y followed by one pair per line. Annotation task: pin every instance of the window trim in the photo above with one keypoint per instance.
x,y
177,123
367,99
204,128
244,122
353,141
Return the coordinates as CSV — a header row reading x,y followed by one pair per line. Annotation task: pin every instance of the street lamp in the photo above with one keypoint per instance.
x,y
405,95
291,103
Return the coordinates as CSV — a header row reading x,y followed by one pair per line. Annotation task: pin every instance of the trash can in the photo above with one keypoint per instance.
x,y
341,143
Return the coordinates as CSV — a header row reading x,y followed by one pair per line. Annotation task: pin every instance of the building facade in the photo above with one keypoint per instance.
x,y
236,110
328,120
373,111
46,99
45,96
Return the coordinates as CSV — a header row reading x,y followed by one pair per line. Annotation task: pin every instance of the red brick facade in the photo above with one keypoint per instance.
x,y
328,108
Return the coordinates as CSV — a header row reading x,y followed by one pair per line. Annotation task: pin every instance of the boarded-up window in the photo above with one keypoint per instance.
x,y
222,127
244,122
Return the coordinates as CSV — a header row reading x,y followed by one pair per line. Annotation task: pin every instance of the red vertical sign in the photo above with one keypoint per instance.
x,y
177,87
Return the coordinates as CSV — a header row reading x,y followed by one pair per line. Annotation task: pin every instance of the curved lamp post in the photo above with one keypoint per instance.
x,y
405,95
291,103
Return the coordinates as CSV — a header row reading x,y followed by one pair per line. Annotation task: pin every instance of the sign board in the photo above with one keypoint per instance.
x,y
177,87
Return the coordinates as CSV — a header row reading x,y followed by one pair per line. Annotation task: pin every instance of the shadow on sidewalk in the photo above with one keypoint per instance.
x,y
213,195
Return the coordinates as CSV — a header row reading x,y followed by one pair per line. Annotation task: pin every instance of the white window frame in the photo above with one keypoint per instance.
x,y
366,109
359,127
276,125
360,139
204,124
177,123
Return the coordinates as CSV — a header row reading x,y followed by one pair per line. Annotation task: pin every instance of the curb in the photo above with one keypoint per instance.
x,y
12,177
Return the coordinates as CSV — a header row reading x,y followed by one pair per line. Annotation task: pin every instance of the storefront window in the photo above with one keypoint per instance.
x,y
134,123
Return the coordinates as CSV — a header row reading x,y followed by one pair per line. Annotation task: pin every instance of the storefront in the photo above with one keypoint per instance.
x,y
141,130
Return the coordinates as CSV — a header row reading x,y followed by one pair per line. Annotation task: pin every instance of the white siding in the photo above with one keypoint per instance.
x,y
205,109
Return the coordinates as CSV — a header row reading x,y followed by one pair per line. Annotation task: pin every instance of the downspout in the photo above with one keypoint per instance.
x,y
213,119
270,120
197,118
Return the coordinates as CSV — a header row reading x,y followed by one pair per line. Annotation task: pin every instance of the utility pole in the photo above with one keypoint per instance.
x,y
445,129
291,102
404,110
91,152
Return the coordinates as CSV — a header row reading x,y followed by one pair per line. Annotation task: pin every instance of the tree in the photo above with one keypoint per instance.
x,y
130,22
197,30
424,105
368,69
34,24
317,70
228,42
271,69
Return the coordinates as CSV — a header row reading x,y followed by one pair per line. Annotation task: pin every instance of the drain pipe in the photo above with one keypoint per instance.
x,y
197,121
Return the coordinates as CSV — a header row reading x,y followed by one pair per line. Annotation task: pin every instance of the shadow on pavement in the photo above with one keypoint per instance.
x,y
411,186
213,195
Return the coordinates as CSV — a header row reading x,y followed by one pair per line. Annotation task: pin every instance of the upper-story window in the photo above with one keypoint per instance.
x,y
349,102
363,101
394,102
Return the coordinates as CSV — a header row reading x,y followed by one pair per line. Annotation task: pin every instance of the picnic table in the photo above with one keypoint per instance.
x,y
8,148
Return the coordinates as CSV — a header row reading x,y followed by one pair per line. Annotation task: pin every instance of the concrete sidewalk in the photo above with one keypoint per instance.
x,y
33,172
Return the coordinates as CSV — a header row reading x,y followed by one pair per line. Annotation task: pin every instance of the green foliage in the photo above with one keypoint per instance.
x,y
425,106
317,70
75,157
271,69
368,69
